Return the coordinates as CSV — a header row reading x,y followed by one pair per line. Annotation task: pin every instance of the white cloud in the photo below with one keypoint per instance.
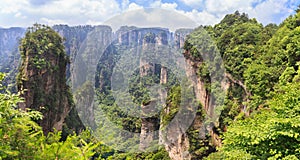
x,y
51,22
202,18
193,3
199,17
134,6
271,11
223,7
159,4
125,4
265,11
8,7
74,12
18,14
152,18
169,6
80,8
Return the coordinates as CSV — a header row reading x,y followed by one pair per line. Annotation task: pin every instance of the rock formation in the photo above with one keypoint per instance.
x,y
89,46
9,42
42,80
9,54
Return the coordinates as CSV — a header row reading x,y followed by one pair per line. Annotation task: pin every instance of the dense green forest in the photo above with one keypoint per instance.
x,y
260,117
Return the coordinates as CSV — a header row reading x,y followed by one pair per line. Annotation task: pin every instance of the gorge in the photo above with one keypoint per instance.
x,y
149,93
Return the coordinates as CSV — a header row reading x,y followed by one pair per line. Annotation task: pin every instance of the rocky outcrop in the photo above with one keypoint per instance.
x,y
201,92
84,45
174,135
42,79
9,42
128,36
9,55
180,36
131,36
92,52
150,121
74,38
204,69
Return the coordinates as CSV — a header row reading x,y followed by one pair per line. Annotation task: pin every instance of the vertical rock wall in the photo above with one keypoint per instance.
x,y
42,79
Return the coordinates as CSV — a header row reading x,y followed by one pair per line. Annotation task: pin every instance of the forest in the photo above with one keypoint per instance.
x,y
258,117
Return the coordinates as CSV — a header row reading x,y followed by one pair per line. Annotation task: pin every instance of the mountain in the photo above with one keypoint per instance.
x,y
9,54
42,82
9,47
228,91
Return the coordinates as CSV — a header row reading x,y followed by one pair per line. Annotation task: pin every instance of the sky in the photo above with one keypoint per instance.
x,y
24,13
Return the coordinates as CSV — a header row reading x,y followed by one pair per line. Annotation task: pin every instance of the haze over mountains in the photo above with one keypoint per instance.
x,y
234,95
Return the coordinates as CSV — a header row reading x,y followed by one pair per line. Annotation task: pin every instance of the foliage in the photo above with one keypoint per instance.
x,y
272,132
42,78
280,51
264,65
160,154
261,61
22,138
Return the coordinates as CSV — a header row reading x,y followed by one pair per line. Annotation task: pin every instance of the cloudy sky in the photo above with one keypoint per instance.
x,y
24,13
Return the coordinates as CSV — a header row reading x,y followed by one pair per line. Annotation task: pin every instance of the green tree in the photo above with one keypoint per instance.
x,y
280,51
272,132
22,138
42,80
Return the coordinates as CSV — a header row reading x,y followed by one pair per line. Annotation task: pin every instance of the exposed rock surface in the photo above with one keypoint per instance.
x,y
42,79
9,42
88,46
9,54
180,36
84,45
150,123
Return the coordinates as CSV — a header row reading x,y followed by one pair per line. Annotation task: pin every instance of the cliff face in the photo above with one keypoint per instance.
x,y
91,50
9,42
84,45
9,54
148,40
206,71
74,37
150,122
180,36
42,79
134,42
131,36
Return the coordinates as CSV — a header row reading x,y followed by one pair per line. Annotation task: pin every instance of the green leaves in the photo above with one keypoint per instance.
x,y
39,42
74,147
268,65
22,138
272,132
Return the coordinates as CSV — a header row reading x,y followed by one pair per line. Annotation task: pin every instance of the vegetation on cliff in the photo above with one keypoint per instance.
x,y
22,138
42,79
260,116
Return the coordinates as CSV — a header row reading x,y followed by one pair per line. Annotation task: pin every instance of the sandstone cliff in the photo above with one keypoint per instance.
x,y
42,80
9,54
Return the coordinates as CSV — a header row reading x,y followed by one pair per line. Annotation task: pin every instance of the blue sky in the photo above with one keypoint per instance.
x,y
24,13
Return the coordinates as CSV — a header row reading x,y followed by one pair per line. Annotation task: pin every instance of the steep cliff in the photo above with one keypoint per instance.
x,y
42,80
200,95
9,54
133,44
89,46
74,37
84,45
180,36
9,42
149,47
